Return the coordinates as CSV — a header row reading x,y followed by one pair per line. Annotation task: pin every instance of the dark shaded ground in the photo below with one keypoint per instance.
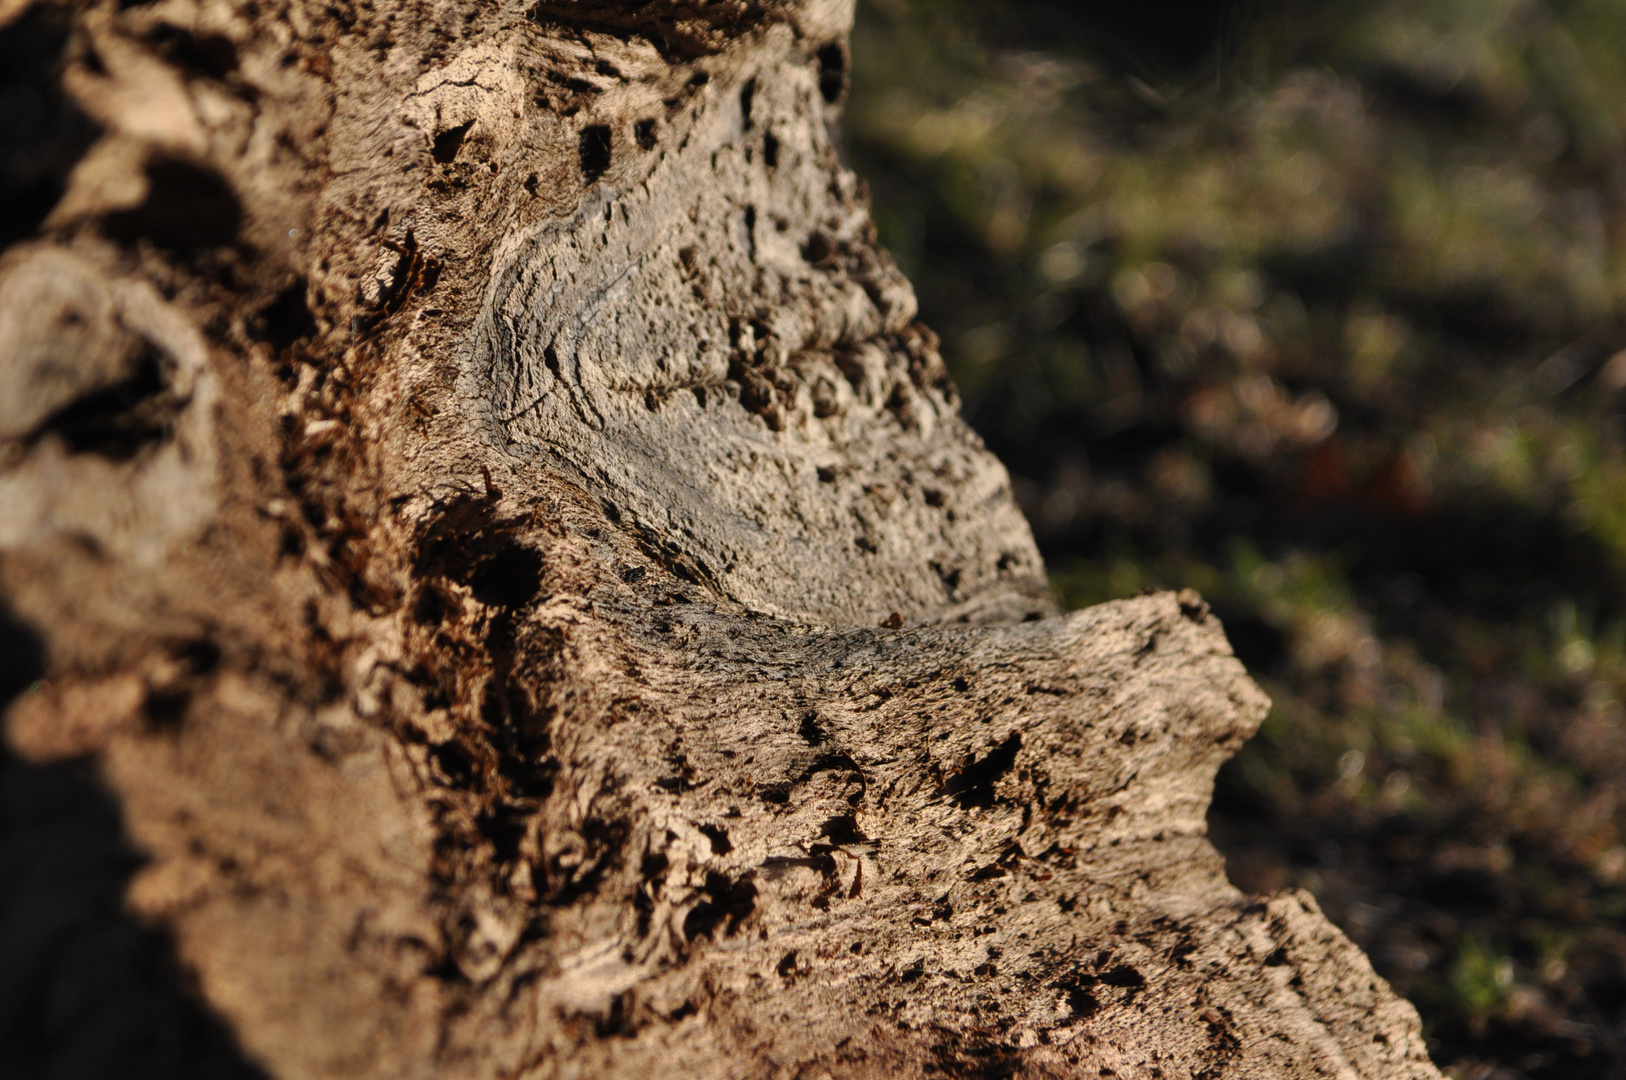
x,y
1319,311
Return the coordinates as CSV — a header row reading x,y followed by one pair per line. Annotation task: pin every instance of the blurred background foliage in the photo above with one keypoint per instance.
x,y
1321,310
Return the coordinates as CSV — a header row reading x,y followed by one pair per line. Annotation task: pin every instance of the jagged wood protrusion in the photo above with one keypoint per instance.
x,y
513,557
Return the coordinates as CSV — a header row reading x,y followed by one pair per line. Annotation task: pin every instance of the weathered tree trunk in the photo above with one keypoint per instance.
x,y
484,506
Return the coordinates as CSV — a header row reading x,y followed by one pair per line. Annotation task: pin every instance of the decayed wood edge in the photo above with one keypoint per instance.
x,y
449,755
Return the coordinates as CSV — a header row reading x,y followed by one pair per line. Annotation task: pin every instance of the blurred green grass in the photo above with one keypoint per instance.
x,y
1319,310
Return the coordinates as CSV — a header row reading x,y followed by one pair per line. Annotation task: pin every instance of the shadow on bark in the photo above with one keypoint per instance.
x,y
86,991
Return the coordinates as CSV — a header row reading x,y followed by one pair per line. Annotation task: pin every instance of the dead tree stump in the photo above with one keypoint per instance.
x,y
478,500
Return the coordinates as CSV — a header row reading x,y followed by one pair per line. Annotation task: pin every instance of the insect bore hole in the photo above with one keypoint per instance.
x,y
832,72
595,152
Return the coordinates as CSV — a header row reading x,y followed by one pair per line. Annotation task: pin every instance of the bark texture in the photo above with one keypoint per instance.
x,y
486,513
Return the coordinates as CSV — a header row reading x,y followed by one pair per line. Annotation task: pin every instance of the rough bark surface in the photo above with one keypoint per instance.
x,y
486,513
